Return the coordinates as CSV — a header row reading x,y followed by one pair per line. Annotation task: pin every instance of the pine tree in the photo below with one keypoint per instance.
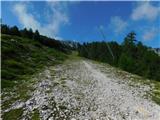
x,y
5,29
24,33
14,31
30,34
36,35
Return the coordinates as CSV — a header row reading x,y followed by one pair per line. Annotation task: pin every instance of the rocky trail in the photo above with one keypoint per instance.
x,y
85,90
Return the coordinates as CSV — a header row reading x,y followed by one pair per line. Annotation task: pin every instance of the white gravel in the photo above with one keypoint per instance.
x,y
119,101
81,91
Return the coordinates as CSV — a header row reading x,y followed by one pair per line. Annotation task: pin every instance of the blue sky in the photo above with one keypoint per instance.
x,y
80,21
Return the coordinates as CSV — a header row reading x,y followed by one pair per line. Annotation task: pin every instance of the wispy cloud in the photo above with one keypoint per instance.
x,y
145,10
58,18
150,34
118,25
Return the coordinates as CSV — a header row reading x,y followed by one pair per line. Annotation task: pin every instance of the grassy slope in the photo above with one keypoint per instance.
x,y
21,57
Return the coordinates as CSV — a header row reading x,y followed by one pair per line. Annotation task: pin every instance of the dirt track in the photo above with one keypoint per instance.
x,y
83,90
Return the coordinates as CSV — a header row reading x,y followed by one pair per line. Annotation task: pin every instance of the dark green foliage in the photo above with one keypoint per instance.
x,y
36,35
5,29
126,62
99,51
22,57
131,56
50,42
24,33
25,54
30,33
14,31
14,114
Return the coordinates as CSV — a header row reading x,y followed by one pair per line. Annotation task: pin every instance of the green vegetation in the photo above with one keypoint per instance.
x,y
24,55
156,93
13,114
64,46
21,57
35,115
131,56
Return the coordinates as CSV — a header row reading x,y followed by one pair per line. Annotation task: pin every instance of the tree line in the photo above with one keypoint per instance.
x,y
30,34
131,56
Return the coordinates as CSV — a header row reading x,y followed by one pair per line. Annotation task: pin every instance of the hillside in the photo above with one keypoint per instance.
x,y
132,56
80,60
44,78
22,57
82,89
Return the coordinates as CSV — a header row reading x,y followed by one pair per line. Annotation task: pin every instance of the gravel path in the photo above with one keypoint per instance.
x,y
82,90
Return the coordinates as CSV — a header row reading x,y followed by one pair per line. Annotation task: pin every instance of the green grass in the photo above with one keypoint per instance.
x,y
156,92
13,114
23,57
73,57
20,93
35,115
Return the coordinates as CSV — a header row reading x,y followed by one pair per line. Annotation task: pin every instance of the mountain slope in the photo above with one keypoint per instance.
x,y
21,57
83,89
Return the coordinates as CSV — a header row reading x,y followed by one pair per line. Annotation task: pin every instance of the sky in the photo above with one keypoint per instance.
x,y
81,21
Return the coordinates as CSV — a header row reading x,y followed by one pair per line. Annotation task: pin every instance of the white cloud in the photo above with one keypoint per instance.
x,y
145,10
118,25
150,34
25,18
57,18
